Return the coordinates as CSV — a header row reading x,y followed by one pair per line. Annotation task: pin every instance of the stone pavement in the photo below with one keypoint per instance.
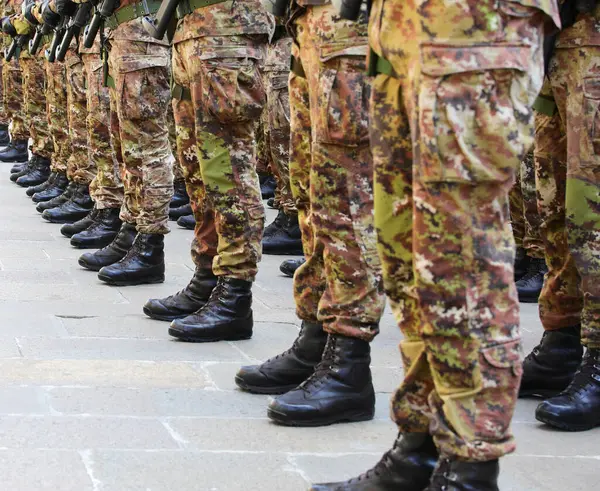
x,y
95,396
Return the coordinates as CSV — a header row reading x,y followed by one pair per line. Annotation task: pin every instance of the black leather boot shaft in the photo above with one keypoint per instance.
x,y
18,167
25,169
275,225
521,263
289,266
38,173
531,283
70,229
577,408
180,196
339,390
227,316
458,475
41,187
185,302
286,239
267,186
289,369
4,134
66,195
408,466
55,189
16,151
552,364
101,232
144,263
113,252
76,208
175,213
187,221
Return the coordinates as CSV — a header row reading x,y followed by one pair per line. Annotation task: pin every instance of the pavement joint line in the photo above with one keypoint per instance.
x,y
175,435
88,462
240,351
19,347
296,468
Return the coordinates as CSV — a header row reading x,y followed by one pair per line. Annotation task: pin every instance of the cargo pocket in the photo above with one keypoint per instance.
x,y
474,110
143,93
591,112
343,96
279,102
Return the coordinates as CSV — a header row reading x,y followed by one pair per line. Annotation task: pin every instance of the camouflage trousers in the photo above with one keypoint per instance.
x,y
567,159
13,100
4,119
449,127
106,187
58,121
178,173
332,177
215,138
138,126
524,215
34,91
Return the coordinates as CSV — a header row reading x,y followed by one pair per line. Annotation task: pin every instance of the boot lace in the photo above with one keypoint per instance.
x,y
380,468
289,350
587,371
441,476
323,368
534,268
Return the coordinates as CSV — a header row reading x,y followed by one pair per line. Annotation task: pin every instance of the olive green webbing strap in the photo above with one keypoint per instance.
x,y
545,105
132,11
186,7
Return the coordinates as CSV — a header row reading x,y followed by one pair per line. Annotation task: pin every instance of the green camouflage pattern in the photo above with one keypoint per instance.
x,y
449,128
58,120
13,100
332,176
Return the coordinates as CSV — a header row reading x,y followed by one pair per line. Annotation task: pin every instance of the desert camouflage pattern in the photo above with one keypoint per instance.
x,y
332,176
449,128
567,159
58,120
524,215
139,127
106,187
223,77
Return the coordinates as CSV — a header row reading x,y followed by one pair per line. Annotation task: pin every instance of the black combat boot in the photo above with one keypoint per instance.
x,y
408,466
105,227
180,196
41,187
339,390
227,316
459,475
54,190
185,302
531,283
187,221
26,168
18,167
16,151
70,229
113,252
143,263
271,203
552,364
577,408
39,172
289,266
267,186
286,239
66,195
76,208
289,369
175,213
4,135
521,263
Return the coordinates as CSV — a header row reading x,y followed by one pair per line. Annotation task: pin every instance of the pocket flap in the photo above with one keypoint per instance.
x,y
438,61
331,51
591,88
503,355
211,53
132,63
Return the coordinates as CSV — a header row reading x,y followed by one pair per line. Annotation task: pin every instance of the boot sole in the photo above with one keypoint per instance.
x,y
529,298
565,426
349,417
166,318
145,281
539,393
89,245
253,389
190,339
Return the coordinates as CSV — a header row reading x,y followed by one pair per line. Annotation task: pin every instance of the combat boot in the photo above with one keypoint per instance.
x,y
143,264
26,168
577,408
4,135
113,252
74,209
227,316
175,213
38,173
271,203
31,190
18,167
180,196
187,221
287,239
267,186
16,151
459,475
408,466
185,302
53,190
531,283
552,364
101,232
58,200
289,266
286,371
521,263
70,229
339,390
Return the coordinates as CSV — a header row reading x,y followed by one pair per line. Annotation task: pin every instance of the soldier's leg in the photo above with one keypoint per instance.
x,y
4,118
575,80
14,106
226,151
180,196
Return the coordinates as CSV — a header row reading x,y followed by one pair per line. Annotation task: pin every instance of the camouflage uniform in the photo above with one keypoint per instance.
x,y
139,65
451,119
216,50
332,174
567,159
58,120
106,187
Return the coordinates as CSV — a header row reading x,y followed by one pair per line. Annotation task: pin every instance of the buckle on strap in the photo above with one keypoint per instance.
x,y
132,11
